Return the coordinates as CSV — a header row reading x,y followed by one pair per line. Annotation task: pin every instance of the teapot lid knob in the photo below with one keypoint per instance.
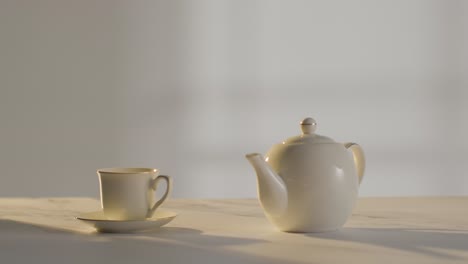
x,y
308,126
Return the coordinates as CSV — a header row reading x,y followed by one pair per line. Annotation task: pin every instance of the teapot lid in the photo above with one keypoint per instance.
x,y
308,127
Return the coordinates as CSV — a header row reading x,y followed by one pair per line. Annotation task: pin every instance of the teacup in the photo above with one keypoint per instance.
x,y
128,193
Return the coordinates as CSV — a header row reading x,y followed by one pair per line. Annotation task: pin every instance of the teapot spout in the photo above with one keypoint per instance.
x,y
272,191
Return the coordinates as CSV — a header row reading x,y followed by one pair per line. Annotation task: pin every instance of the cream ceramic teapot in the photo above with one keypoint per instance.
x,y
309,183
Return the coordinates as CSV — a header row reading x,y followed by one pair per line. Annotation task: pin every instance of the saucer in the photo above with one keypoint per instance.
x,y
98,220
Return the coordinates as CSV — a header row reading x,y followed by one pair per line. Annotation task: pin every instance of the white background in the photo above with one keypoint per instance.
x,y
191,86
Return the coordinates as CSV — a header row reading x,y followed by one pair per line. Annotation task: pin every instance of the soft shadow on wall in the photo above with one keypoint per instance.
x,y
191,87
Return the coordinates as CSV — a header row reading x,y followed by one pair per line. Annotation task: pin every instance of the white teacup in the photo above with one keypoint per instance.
x,y
128,193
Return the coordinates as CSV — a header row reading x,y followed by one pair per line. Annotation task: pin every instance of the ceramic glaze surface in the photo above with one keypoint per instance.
x,y
309,183
99,221
128,193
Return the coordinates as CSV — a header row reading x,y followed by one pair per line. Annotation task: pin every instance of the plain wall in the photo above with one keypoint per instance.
x,y
190,87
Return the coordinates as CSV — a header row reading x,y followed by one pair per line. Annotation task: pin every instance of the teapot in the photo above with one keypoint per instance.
x,y
309,183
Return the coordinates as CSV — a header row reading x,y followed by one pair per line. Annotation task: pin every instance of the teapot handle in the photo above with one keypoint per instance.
x,y
359,159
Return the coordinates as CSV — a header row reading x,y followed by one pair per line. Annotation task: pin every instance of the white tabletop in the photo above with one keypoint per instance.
x,y
381,230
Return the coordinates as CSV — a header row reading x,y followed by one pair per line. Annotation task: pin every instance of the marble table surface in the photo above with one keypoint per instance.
x,y
381,230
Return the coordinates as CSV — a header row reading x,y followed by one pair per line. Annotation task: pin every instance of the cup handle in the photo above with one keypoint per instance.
x,y
154,185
